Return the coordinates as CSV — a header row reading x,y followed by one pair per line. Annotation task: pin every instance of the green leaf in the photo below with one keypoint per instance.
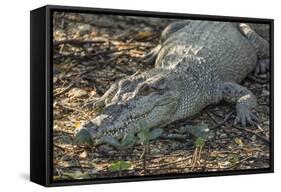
x,y
234,159
144,133
83,137
156,133
65,139
199,142
111,141
128,140
120,165
144,126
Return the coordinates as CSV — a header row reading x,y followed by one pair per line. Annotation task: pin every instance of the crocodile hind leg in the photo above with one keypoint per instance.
x,y
243,98
261,46
170,29
151,56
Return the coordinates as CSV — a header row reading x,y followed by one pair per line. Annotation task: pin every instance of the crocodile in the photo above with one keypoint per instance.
x,y
197,63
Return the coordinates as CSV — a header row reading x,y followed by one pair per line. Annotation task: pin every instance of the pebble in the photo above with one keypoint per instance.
x,y
223,135
263,76
265,92
155,151
94,94
57,114
83,155
84,29
254,138
266,122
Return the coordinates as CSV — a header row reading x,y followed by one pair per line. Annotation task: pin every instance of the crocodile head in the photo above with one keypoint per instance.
x,y
151,99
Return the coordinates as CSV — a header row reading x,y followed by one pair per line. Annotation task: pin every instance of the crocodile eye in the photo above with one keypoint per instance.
x,y
159,84
144,89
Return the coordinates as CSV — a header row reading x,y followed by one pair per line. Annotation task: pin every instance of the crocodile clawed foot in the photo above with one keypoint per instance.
x,y
245,116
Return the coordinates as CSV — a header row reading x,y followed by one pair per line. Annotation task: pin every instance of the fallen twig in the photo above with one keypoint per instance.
x,y
70,85
59,147
75,109
223,121
62,131
77,42
170,163
65,89
238,163
253,132
79,164
196,157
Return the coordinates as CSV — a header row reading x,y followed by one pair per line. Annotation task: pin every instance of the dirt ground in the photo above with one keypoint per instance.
x,y
93,51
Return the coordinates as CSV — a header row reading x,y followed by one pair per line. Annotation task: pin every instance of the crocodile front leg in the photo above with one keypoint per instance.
x,y
243,98
261,45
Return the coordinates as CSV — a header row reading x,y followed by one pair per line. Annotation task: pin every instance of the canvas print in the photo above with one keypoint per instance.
x,y
137,96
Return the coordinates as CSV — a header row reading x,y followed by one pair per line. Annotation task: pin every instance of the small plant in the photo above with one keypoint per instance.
x,y
199,142
199,145
120,166
83,137
234,159
145,135
77,175
128,141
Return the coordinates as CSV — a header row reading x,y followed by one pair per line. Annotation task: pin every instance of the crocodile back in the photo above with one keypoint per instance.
x,y
220,46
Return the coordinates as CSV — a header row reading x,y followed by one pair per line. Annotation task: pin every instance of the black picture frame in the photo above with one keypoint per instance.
x,y
41,147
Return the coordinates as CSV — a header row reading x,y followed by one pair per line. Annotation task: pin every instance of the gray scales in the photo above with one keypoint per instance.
x,y
197,63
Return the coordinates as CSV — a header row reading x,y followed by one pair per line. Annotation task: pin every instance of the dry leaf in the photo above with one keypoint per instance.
x,y
239,141
76,92
83,155
144,34
77,125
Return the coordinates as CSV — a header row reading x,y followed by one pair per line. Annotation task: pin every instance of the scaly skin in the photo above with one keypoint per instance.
x,y
198,63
